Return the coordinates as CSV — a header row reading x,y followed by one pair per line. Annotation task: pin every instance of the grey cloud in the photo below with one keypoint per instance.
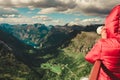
x,y
39,3
98,7
55,3
96,11
58,5
42,17
88,7
7,12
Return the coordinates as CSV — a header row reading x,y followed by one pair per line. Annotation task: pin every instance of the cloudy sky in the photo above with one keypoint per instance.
x,y
55,12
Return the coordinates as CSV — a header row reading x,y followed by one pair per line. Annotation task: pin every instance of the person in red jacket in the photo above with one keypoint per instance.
x,y
107,49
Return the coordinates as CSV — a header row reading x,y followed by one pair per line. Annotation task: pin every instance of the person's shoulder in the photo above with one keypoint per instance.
x,y
102,40
109,41
105,41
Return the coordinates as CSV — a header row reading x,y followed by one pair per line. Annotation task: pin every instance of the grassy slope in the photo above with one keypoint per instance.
x,y
69,64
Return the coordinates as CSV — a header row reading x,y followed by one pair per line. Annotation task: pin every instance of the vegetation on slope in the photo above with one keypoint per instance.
x,y
63,62
11,68
70,64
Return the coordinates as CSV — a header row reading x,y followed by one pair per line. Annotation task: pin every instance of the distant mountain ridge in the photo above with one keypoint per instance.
x,y
42,36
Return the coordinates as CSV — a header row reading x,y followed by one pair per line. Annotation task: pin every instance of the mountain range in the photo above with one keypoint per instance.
x,y
36,51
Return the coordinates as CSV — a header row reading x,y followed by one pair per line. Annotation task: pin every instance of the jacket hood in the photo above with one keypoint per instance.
x,y
112,23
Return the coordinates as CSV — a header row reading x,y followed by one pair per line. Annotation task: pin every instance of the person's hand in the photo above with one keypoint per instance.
x,y
103,33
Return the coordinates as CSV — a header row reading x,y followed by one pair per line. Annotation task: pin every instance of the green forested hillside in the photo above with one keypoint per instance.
x,y
69,62
65,62
11,68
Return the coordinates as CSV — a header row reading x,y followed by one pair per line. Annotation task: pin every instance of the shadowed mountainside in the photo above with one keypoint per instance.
x,y
20,51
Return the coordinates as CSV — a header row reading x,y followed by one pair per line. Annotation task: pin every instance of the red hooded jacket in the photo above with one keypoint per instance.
x,y
108,50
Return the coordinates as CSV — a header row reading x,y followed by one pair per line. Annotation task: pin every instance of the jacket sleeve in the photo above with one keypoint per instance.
x,y
94,53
